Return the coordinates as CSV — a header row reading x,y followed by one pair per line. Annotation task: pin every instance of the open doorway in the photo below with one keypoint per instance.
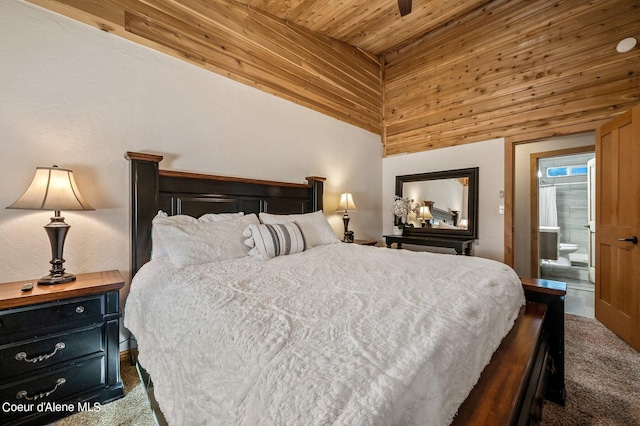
x,y
564,206
527,262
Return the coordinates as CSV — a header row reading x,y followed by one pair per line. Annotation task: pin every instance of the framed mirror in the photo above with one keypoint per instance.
x,y
446,203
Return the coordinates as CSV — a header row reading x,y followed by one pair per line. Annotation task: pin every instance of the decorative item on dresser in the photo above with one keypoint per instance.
x,y
54,189
346,205
402,208
59,347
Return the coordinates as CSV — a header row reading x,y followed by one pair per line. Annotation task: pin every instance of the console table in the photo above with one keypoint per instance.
x,y
461,246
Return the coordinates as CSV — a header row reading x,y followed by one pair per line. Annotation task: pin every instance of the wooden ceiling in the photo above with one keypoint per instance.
x,y
374,26
451,72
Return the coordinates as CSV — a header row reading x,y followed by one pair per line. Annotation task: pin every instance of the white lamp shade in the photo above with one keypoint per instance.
x,y
425,213
52,188
346,203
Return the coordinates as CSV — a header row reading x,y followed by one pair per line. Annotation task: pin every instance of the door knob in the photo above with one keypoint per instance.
x,y
633,239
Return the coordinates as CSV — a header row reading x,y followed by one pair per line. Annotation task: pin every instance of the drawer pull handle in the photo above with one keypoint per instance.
x,y
23,393
80,309
22,356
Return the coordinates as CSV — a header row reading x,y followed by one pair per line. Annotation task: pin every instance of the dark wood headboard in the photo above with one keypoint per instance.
x,y
195,194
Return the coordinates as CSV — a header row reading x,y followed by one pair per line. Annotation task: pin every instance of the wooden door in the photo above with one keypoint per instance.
x,y
617,302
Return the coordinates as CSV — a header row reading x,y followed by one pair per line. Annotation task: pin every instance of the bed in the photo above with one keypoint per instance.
x,y
289,340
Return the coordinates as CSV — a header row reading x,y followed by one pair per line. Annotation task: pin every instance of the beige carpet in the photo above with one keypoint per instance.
x,y
602,379
132,410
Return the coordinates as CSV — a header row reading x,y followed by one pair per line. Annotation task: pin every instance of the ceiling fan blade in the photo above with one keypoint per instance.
x,y
404,6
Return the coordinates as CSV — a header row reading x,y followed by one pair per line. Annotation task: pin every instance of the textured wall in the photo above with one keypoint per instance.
x,y
248,46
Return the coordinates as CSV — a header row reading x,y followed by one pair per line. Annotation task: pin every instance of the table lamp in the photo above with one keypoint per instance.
x,y
346,205
425,214
54,189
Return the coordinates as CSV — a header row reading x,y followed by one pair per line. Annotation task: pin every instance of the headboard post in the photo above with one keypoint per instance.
x,y
145,198
317,187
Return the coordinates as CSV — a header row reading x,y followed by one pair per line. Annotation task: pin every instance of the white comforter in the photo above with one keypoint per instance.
x,y
340,334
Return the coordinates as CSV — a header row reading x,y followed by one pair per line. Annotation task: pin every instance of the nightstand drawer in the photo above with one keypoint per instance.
x,y
33,354
55,315
57,385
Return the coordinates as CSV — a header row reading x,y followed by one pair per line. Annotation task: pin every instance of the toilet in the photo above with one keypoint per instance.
x,y
564,249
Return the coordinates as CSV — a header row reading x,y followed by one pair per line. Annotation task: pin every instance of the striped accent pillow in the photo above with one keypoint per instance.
x,y
269,241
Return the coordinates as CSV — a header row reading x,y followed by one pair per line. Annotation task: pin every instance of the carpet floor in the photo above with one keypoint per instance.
x,y
602,380
602,375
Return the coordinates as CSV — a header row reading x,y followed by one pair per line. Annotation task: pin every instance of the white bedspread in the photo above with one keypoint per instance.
x,y
340,334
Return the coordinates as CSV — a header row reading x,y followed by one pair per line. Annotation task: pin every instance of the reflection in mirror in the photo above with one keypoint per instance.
x,y
445,199
446,203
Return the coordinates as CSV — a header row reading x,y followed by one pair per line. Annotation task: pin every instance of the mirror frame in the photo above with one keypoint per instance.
x,y
472,228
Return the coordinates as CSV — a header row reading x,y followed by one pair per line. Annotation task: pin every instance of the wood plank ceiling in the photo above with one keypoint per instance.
x,y
373,26
451,72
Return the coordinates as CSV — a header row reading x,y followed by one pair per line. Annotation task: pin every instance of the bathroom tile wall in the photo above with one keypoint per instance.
x,y
571,199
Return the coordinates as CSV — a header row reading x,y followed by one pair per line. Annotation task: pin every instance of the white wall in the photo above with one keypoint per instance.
x,y
522,191
80,98
488,156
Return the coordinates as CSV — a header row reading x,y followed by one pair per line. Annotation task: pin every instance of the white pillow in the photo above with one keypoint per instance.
x,y
219,217
158,250
191,243
314,226
267,241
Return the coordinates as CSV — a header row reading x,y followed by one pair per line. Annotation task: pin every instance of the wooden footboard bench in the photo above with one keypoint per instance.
x,y
527,367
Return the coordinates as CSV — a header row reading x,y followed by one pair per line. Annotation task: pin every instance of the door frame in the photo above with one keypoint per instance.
x,y
509,173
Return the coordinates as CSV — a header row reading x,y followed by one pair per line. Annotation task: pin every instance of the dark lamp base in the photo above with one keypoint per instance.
x,y
57,278
57,231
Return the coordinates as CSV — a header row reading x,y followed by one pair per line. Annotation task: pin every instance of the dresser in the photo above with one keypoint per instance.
x,y
59,348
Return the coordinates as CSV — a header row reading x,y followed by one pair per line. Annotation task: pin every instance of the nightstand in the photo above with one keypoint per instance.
x,y
59,348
